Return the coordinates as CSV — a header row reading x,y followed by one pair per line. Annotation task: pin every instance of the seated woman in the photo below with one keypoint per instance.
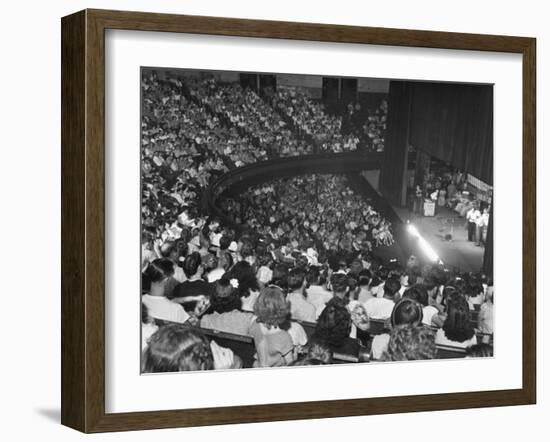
x,y
410,343
408,311
334,327
157,275
247,284
193,268
457,330
176,347
225,313
274,346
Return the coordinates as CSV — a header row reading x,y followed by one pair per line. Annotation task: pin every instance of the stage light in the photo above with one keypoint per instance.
x,y
426,248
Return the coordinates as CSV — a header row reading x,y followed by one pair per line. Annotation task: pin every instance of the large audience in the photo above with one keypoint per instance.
x,y
298,277
320,210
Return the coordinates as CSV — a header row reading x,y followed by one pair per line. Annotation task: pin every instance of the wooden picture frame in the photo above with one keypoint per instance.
x,y
83,220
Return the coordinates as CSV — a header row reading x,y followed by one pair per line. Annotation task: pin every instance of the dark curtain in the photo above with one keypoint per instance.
x,y
330,89
488,256
394,164
454,122
349,89
249,81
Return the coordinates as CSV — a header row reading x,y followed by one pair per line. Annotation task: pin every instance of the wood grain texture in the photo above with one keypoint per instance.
x,y
83,220
73,211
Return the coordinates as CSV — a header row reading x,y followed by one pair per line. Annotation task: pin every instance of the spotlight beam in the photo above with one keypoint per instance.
x,y
424,245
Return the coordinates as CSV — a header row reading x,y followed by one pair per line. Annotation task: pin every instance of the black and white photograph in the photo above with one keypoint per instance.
x,y
290,220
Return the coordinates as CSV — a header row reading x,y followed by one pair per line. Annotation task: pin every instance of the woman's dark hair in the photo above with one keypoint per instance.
x,y
365,277
244,273
409,343
247,249
334,323
296,279
391,287
406,311
159,270
280,276
480,351
191,264
312,276
459,284
457,326
418,293
226,298
176,347
339,282
225,242
271,308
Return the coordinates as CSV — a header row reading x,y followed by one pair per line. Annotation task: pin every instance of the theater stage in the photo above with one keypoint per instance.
x,y
456,252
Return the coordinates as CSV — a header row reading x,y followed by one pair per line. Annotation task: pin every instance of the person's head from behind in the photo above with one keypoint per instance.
x,y
169,250
410,343
365,278
192,265
359,315
334,323
432,287
243,272
406,311
313,276
225,261
157,274
226,298
418,293
318,349
457,325
340,285
225,241
296,278
391,287
280,276
480,351
271,308
176,347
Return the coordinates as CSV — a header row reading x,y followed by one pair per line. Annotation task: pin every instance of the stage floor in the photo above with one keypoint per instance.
x,y
457,252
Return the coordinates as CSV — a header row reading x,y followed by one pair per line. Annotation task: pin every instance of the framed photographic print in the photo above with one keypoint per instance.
x,y
266,220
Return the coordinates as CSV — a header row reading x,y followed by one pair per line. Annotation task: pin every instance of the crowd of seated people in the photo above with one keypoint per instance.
x,y
245,109
311,118
317,209
290,309
374,129
368,123
297,285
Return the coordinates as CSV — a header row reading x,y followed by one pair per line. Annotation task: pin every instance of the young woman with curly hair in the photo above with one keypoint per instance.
x,y
407,311
175,347
334,324
274,346
410,343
